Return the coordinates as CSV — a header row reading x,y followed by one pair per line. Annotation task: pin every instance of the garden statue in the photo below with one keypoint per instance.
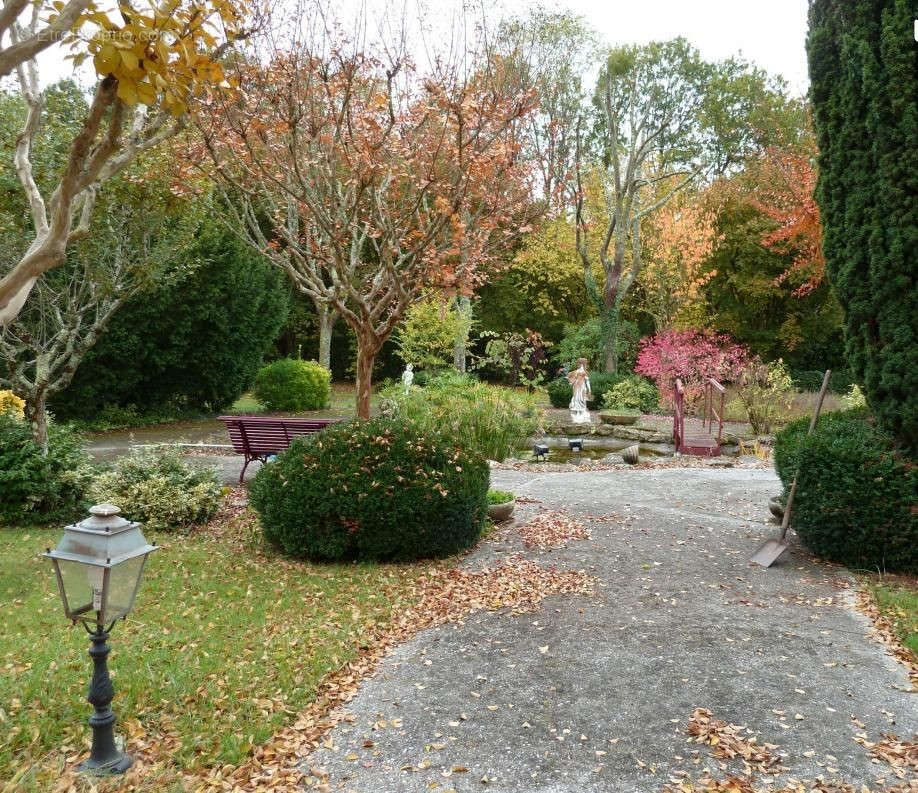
x,y
580,383
408,377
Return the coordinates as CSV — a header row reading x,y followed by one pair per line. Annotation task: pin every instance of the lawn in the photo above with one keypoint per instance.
x,y
897,599
228,642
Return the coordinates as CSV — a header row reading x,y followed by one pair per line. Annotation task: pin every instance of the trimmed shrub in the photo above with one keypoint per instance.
x,y
193,345
489,420
632,393
37,488
560,392
378,489
856,494
499,497
160,489
291,384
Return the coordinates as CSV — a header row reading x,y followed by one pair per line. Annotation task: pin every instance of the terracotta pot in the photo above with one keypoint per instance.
x,y
501,512
631,454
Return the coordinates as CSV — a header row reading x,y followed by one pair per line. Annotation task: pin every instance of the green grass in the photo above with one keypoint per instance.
x,y
227,643
899,603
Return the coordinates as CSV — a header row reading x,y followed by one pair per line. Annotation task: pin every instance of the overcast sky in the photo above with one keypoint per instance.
x,y
769,34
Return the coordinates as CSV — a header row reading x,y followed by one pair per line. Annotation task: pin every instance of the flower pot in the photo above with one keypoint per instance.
x,y
501,512
631,454
776,507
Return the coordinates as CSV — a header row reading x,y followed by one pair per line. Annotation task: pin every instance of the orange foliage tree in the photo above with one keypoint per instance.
x,y
679,240
368,180
784,181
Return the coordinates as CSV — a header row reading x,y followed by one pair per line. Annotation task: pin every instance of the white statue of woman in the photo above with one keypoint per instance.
x,y
580,383
408,377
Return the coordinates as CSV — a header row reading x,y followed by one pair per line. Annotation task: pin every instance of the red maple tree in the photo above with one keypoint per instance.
x,y
785,180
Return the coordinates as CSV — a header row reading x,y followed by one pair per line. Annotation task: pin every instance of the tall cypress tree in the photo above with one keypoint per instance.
x,y
864,74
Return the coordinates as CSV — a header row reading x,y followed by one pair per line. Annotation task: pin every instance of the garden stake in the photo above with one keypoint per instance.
x,y
770,550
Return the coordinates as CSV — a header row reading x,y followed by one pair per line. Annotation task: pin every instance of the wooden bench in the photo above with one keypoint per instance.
x,y
258,437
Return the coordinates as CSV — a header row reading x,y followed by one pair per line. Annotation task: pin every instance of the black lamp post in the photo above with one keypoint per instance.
x,y
99,563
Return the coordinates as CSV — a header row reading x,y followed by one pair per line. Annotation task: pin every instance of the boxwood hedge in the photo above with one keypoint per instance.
x,y
372,490
857,495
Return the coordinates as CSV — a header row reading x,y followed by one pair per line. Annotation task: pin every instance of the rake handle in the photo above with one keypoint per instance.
x,y
785,520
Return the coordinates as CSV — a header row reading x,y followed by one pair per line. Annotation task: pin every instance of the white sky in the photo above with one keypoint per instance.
x,y
771,35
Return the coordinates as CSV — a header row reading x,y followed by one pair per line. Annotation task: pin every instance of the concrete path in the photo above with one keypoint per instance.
x,y
593,693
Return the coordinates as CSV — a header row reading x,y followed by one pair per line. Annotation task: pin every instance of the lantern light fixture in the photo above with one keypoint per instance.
x,y
98,564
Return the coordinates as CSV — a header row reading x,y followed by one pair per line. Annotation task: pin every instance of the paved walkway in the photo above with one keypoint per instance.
x,y
593,693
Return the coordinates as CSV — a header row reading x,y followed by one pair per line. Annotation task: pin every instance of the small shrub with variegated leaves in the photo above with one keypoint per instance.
x,y
632,393
160,489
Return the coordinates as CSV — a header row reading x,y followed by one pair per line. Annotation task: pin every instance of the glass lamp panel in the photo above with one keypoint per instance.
x,y
123,580
82,587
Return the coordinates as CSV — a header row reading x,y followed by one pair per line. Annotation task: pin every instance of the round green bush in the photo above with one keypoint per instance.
x,y
856,493
632,393
560,392
37,488
292,384
372,490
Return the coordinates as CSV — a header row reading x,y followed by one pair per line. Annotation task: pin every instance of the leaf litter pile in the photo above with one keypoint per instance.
x,y
730,742
552,530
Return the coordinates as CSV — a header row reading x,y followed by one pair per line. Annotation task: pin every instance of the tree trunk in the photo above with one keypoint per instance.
x,y
367,347
38,419
327,318
460,349
609,325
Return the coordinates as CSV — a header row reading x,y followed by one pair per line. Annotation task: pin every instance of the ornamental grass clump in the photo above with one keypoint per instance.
x,y
380,489
491,421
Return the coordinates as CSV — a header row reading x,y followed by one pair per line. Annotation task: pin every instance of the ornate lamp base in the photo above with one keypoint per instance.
x,y
118,765
105,758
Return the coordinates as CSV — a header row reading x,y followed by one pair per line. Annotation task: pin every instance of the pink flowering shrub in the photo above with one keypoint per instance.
x,y
692,356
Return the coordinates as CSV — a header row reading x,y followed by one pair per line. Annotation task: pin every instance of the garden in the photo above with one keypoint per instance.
x,y
483,404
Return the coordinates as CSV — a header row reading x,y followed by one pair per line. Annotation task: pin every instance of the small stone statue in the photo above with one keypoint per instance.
x,y
580,383
408,377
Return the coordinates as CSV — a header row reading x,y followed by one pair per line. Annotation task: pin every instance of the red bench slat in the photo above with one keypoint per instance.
x,y
257,437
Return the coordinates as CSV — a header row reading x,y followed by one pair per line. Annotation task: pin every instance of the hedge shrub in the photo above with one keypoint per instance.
x,y
292,384
560,392
856,494
160,489
36,488
194,345
378,489
632,393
